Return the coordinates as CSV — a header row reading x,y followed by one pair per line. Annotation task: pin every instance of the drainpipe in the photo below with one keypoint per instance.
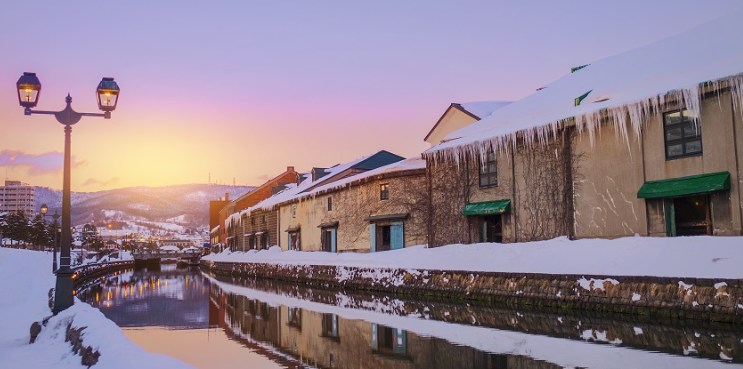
x,y
737,161
513,191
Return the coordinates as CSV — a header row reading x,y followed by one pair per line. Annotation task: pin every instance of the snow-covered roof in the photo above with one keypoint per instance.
x,y
483,109
632,84
294,191
401,166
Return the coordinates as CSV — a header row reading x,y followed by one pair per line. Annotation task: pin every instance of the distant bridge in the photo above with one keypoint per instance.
x,y
192,256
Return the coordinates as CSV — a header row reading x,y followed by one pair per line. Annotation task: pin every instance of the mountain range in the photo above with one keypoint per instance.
x,y
185,205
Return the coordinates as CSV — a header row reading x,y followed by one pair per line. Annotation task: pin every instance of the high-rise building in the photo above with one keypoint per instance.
x,y
17,196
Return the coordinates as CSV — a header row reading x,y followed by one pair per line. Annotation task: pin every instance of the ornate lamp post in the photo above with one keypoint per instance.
x,y
29,89
55,217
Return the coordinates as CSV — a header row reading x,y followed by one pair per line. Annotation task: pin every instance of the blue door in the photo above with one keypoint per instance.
x,y
333,247
397,236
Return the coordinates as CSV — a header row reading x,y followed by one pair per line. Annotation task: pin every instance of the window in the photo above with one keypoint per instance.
x,y
264,218
384,191
682,134
295,241
295,317
265,240
389,341
252,220
330,204
294,211
330,325
489,171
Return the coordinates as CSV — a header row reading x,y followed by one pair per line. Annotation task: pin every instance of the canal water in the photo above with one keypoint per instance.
x,y
211,322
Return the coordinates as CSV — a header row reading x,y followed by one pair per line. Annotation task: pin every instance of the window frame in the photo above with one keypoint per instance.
x,y
491,177
330,203
384,191
684,123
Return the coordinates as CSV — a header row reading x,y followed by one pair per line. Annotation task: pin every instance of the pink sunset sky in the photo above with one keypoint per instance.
x,y
241,89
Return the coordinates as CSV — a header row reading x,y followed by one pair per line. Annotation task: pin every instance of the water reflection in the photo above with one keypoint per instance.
x,y
168,297
295,327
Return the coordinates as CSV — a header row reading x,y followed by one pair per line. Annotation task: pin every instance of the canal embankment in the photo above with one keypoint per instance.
x,y
27,280
682,278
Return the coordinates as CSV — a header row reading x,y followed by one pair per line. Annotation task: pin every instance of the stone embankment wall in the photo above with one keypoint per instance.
x,y
683,298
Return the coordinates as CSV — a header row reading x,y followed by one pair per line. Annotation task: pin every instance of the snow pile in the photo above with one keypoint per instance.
x,y
27,278
690,257
625,87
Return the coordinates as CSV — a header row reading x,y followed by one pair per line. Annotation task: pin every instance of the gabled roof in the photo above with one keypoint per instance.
x,y
294,191
268,184
407,165
476,109
632,84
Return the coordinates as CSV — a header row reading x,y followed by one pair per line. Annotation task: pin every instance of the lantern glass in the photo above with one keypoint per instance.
x,y
44,209
29,88
108,94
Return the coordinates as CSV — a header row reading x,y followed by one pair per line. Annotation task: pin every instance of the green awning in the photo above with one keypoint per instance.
x,y
685,186
487,207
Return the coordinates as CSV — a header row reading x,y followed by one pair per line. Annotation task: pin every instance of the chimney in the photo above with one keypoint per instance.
x,y
290,168
226,196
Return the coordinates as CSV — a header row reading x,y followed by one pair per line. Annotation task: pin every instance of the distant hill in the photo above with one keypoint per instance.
x,y
185,205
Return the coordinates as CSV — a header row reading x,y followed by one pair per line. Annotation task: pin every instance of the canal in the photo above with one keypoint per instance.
x,y
212,322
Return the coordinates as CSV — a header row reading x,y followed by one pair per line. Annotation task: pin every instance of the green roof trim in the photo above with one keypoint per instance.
x,y
575,69
580,98
487,207
685,186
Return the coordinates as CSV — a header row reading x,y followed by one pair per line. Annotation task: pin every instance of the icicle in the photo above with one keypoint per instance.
x,y
632,116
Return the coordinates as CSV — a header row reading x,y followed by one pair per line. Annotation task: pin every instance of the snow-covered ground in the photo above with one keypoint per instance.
x,y
27,278
692,257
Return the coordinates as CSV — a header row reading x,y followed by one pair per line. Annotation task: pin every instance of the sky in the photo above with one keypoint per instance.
x,y
235,91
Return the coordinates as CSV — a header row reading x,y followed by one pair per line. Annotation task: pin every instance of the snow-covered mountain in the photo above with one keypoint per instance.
x,y
179,205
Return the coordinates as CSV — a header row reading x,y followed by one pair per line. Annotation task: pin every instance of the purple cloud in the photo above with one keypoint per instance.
x,y
41,164
101,183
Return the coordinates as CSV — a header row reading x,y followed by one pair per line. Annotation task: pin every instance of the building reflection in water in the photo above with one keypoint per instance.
x,y
325,340
312,333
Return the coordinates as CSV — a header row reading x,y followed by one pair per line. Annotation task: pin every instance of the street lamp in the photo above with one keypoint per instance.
x,y
107,92
55,216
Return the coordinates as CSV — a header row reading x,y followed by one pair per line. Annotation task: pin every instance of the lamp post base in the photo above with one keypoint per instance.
x,y
63,291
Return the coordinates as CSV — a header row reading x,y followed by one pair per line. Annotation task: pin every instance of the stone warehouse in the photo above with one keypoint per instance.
x,y
626,145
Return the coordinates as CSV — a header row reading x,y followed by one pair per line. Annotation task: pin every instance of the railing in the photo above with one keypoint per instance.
x,y
84,271
158,254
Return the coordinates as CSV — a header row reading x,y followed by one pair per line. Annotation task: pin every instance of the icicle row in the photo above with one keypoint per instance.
x,y
637,113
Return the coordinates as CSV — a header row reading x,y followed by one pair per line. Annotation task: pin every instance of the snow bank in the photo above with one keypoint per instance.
x,y
27,278
690,257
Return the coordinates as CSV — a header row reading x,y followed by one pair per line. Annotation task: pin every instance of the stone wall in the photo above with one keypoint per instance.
x,y
687,298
